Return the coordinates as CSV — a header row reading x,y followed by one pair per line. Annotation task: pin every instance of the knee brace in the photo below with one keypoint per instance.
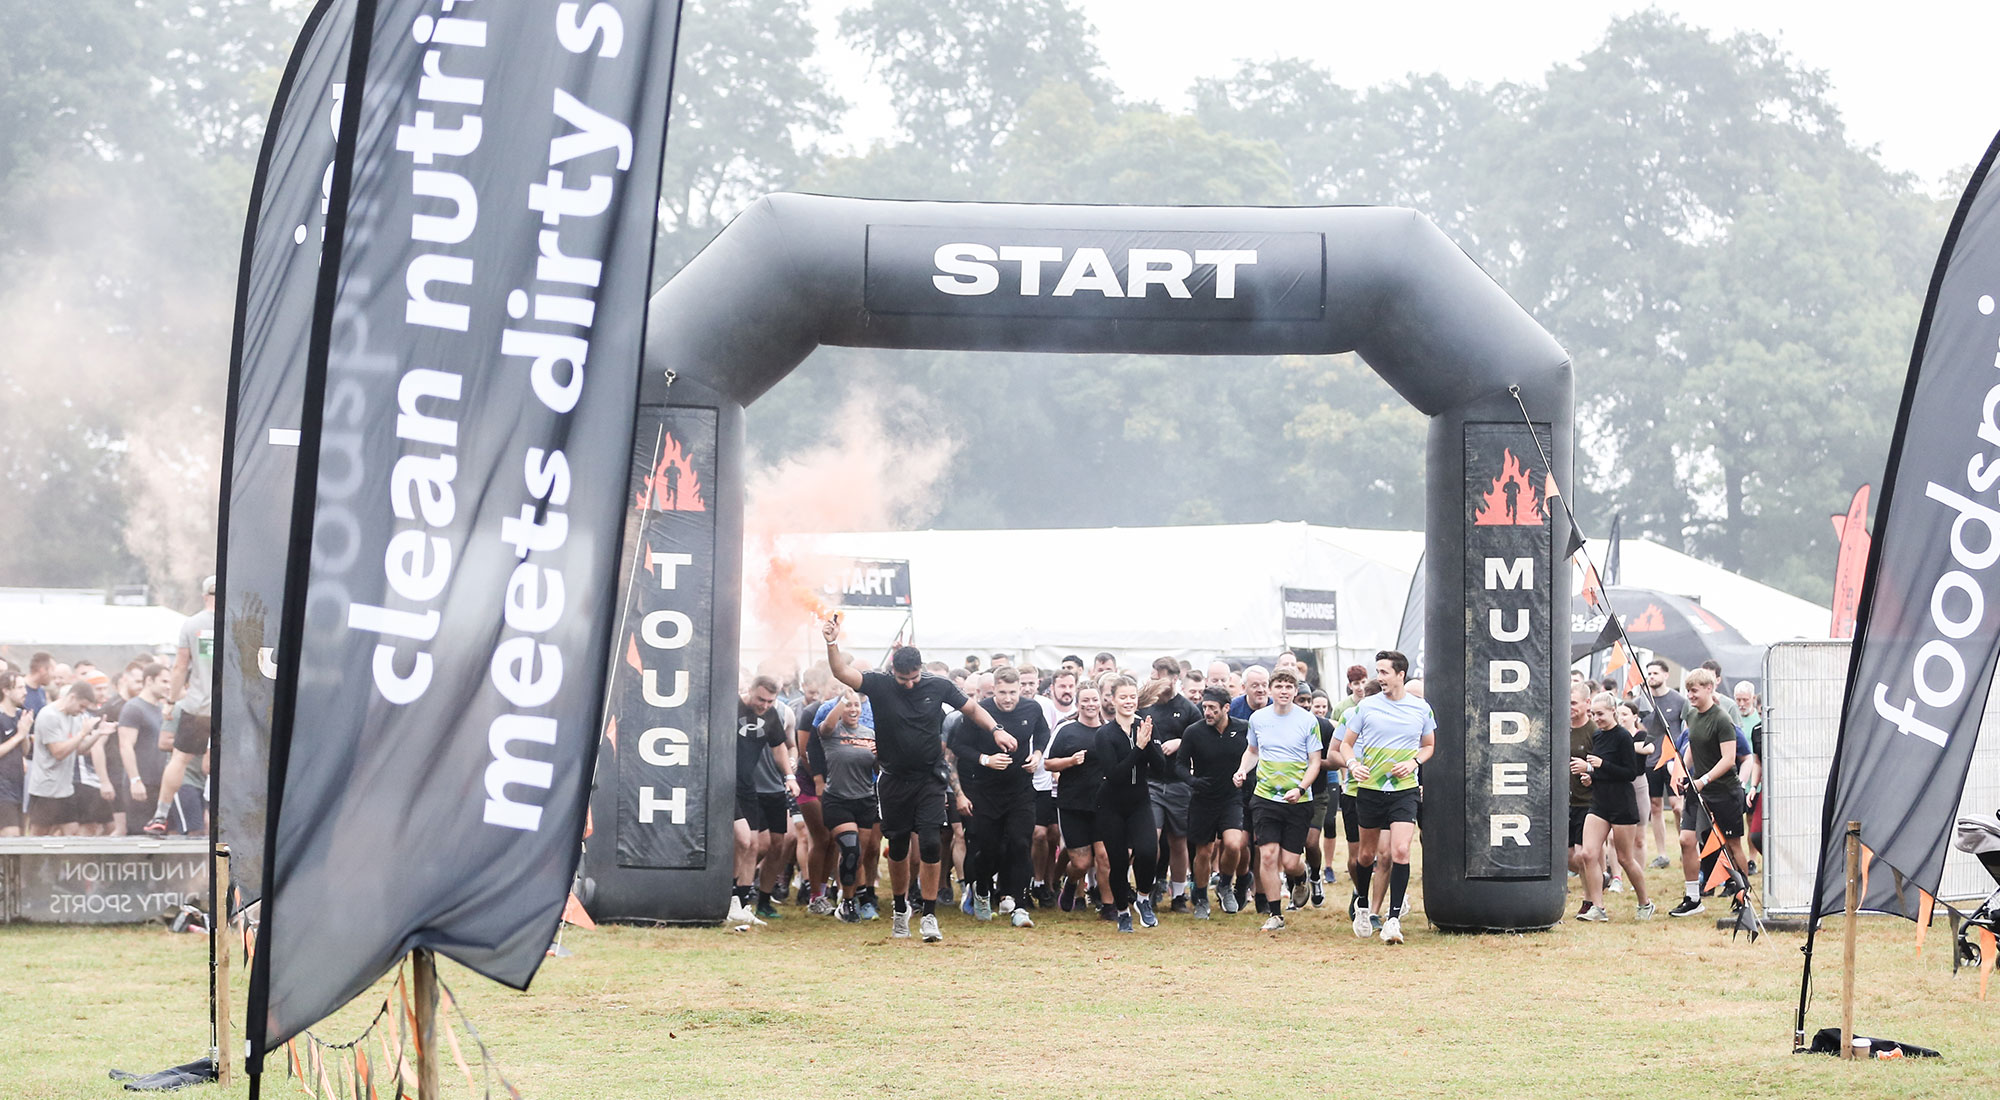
x,y
930,848
850,857
899,847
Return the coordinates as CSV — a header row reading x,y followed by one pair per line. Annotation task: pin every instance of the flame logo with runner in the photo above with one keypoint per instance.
x,y
1512,502
673,485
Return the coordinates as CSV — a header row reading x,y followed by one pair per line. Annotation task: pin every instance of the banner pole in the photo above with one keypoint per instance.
x,y
423,968
1847,948
218,923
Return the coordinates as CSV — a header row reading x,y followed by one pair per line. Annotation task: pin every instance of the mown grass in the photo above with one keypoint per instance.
x,y
812,1008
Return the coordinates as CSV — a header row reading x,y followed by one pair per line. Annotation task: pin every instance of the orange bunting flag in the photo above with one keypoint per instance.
x,y
364,1082
1925,908
573,914
1717,876
1867,861
1714,843
1986,947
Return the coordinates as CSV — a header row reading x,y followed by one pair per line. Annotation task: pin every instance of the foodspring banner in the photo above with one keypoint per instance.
x,y
469,407
1928,628
275,293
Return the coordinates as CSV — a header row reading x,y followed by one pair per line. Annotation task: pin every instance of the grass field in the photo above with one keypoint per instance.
x,y
812,1008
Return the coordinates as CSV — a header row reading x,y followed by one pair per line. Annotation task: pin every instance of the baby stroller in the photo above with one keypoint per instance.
x,y
1981,837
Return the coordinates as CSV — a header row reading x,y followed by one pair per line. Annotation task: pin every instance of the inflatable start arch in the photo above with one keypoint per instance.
x,y
797,271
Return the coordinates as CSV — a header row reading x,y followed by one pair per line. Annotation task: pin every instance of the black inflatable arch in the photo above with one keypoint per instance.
x,y
794,272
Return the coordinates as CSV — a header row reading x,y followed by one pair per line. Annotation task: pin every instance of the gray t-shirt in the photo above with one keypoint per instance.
x,y
145,718
49,777
198,638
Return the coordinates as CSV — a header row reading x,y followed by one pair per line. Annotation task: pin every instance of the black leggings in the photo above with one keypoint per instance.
x,y
1001,842
1130,842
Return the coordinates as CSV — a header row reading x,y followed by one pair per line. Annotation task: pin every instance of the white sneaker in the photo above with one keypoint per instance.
x,y
899,924
929,927
738,912
1364,924
1006,906
1392,930
1594,913
1645,912
1274,923
1022,919
1617,886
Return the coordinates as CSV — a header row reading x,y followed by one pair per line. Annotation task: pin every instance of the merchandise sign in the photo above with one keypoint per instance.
x,y
1310,610
1508,707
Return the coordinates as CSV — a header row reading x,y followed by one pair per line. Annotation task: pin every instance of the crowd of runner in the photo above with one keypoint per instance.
x,y
1010,791
85,751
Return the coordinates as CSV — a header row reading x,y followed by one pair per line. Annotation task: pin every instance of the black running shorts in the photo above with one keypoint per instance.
x,y
191,734
1350,817
1209,818
861,812
1381,809
1079,827
912,802
1045,809
1727,804
1282,823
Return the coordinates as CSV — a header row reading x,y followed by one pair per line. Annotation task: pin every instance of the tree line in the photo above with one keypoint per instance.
x,y
1736,280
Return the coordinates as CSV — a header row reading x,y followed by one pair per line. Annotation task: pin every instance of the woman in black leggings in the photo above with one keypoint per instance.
x,y
1124,820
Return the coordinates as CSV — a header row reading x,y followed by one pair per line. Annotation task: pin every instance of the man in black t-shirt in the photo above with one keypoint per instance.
x,y
1662,708
760,732
1212,749
1002,789
909,711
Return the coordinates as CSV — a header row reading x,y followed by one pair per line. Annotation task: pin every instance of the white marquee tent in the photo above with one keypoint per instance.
x,y
1197,592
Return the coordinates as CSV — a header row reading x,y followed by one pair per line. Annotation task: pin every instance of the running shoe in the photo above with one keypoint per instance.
x,y
899,925
819,906
1318,894
1274,923
1687,908
1215,882
1392,931
1658,862
783,893
929,927
1006,905
1201,909
849,912
944,891
869,912
1644,912
1616,885
1107,913
1375,922
1124,922
1364,924
155,827
1243,894
738,915
982,907
1299,894
965,904
1022,919
1228,897
1146,916
1405,910
1180,904
1353,905
1066,901
765,911
1045,894
1594,913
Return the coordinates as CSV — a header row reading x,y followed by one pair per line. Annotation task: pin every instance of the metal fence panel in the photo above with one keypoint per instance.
x,y
1803,682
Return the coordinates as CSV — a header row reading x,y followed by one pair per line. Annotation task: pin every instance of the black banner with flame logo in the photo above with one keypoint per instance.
x,y
1508,698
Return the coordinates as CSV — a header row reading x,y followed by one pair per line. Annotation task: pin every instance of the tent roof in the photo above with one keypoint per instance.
x,y
1761,613
71,625
1208,589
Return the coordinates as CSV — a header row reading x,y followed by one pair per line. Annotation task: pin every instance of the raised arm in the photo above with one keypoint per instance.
x,y
835,659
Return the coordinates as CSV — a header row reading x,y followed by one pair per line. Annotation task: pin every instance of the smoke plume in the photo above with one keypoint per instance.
x,y
881,468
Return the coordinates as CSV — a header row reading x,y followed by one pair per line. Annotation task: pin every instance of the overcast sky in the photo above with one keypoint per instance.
x,y
1918,78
